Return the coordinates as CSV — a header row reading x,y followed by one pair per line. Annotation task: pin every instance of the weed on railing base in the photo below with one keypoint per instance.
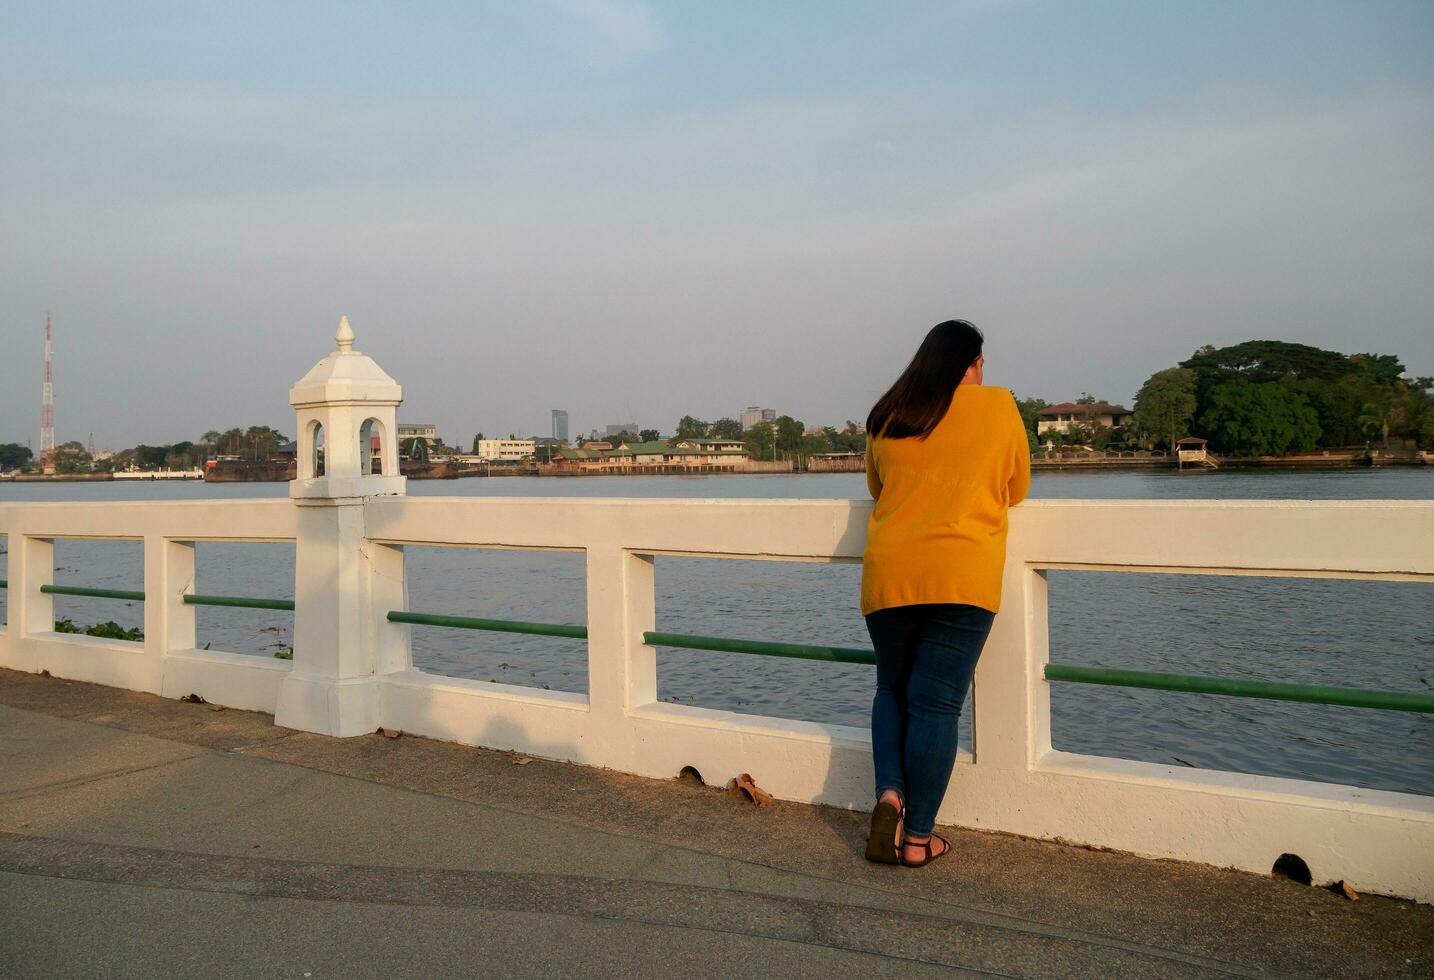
x,y
109,630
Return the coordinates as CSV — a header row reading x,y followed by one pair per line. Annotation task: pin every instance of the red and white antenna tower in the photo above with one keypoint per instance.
x,y
47,403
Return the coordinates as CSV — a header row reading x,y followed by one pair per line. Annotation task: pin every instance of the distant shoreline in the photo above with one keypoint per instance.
x,y
1074,463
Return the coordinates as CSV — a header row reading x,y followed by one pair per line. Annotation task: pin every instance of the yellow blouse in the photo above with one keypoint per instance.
x,y
938,531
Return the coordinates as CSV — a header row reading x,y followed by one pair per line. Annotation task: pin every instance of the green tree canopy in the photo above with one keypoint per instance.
x,y
1165,405
649,435
1355,397
726,429
761,440
789,434
1265,360
1265,419
12,454
1030,409
692,428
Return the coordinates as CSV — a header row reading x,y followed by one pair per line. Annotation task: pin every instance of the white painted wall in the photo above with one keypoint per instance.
x,y
352,669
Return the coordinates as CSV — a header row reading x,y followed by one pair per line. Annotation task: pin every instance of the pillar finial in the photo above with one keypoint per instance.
x,y
344,335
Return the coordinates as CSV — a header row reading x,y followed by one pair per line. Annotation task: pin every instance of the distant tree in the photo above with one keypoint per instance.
x,y
149,457
1078,434
1030,409
12,454
1266,419
262,441
847,440
1384,369
725,429
618,438
789,434
180,456
814,444
1165,405
1300,367
71,457
1086,398
692,428
1266,360
231,442
1417,411
649,435
761,441
1375,420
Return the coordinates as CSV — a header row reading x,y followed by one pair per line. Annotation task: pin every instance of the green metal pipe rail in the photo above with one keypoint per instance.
x,y
1059,673
800,651
92,593
492,625
1234,687
240,602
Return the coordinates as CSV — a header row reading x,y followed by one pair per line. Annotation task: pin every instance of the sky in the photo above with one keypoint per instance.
x,y
638,211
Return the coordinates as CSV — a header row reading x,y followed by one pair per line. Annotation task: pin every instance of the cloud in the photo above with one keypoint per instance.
x,y
605,34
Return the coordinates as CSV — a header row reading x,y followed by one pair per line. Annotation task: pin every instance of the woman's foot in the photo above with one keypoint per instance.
x,y
918,851
885,835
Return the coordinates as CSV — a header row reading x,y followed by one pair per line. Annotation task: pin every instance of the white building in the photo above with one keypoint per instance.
x,y
417,430
505,450
1060,418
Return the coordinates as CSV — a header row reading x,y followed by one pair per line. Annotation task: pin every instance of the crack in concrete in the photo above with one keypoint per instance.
x,y
46,789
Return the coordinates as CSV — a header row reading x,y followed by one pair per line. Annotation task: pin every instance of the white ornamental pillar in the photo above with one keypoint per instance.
x,y
345,406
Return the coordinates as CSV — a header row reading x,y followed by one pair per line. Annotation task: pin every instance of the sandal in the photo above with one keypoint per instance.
x,y
925,845
881,843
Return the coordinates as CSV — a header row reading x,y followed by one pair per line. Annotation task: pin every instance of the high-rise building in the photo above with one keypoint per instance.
x,y
560,425
621,427
755,414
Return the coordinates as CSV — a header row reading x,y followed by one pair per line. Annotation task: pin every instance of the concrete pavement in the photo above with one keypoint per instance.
x,y
144,837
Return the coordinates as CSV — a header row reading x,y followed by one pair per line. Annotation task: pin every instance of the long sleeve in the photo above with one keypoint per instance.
x,y
1020,484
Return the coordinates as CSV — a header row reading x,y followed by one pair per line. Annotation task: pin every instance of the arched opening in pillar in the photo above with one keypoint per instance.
x,y
372,442
316,448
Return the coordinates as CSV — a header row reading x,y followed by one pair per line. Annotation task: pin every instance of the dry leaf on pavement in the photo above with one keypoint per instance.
x,y
744,786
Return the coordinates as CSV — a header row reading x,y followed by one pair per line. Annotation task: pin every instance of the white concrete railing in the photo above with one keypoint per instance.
x,y
352,670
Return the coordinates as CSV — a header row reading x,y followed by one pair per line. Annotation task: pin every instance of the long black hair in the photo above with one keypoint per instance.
x,y
919,399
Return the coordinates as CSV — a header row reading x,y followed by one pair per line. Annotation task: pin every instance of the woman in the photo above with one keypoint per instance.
x,y
945,458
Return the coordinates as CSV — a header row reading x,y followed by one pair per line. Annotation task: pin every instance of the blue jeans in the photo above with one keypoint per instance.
x,y
925,658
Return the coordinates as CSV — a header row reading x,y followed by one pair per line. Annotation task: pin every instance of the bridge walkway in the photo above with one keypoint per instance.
x,y
148,837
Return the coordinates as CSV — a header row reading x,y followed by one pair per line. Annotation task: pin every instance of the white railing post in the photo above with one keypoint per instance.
x,y
332,687
32,565
168,619
387,642
622,670
1011,726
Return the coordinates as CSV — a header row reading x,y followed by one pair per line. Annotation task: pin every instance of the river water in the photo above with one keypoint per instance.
x,y
1352,634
